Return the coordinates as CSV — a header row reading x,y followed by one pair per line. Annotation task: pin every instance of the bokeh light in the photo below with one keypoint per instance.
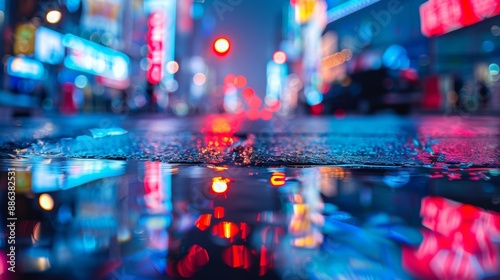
x,y
494,69
219,185
279,57
199,79
172,67
46,202
53,16
221,45
81,81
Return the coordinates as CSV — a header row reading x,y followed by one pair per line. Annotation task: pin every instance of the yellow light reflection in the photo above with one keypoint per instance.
x,y
42,263
46,202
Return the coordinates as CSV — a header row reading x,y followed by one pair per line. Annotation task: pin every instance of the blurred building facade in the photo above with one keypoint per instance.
x,y
449,44
118,56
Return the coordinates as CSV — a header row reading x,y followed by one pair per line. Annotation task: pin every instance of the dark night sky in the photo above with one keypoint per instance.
x,y
253,27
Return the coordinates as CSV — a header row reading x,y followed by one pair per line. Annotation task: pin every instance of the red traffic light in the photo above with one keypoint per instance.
x,y
221,46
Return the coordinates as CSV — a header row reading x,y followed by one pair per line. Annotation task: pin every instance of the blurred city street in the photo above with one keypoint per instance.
x,y
249,139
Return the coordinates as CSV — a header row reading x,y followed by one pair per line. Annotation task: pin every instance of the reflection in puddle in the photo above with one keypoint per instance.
x,y
95,219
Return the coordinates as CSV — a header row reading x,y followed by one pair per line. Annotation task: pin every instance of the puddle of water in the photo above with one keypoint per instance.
x,y
110,219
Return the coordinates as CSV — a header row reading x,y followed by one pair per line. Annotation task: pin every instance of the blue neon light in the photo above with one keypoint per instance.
x,y
95,59
348,8
48,46
25,68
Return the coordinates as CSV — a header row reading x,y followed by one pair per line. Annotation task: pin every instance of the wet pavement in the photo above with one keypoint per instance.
x,y
227,198
443,141
110,219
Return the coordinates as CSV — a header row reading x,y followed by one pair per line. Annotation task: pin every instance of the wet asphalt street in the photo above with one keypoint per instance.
x,y
430,141
223,197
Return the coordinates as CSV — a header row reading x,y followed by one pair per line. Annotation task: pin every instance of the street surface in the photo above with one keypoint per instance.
x,y
128,197
375,140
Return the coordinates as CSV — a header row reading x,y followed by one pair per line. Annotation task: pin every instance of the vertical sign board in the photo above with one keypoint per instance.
x,y
161,12
155,46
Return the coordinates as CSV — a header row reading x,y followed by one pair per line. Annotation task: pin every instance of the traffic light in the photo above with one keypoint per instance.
x,y
221,46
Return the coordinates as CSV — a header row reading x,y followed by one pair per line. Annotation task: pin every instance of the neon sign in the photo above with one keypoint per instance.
x,y
155,44
443,16
48,46
89,57
160,38
348,8
25,68
459,243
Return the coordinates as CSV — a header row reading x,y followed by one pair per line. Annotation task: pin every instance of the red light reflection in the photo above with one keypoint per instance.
x,y
339,114
266,260
245,231
225,230
218,137
253,114
317,109
153,187
203,222
270,235
248,93
240,81
195,259
459,244
219,212
266,114
237,256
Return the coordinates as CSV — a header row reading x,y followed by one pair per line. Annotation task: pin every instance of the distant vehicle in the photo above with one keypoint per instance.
x,y
371,90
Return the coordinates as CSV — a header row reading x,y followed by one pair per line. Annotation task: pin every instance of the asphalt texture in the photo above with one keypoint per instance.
x,y
383,140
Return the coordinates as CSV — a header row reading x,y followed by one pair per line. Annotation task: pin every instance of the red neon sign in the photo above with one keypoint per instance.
x,y
442,16
155,37
153,187
459,243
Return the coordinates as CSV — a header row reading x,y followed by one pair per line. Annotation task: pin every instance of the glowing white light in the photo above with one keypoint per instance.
x,y
53,16
46,202
199,79
172,67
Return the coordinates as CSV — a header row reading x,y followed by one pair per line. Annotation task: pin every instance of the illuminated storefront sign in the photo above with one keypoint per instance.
x,y
155,45
48,46
25,68
95,59
161,38
440,17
